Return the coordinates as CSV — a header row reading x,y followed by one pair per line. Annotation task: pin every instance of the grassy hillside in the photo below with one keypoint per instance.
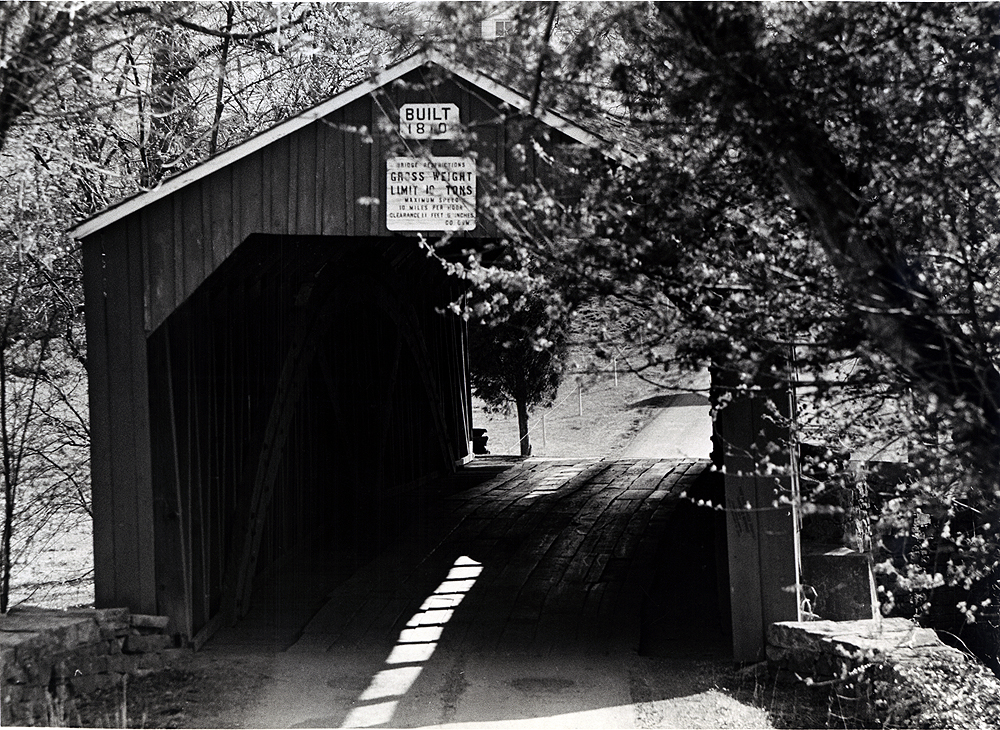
x,y
611,413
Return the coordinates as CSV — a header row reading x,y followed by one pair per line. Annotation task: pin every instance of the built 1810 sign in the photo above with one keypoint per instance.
x,y
428,121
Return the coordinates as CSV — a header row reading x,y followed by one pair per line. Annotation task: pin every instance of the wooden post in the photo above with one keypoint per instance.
x,y
172,551
762,526
580,394
614,364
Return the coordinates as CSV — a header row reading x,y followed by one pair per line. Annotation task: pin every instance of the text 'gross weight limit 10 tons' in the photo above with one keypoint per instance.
x,y
430,194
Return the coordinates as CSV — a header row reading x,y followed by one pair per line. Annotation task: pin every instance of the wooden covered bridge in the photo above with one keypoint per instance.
x,y
274,312
269,360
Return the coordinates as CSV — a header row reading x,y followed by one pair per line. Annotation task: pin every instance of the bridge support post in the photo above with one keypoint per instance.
x,y
753,442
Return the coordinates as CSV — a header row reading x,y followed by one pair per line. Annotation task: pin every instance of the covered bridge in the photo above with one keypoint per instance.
x,y
267,353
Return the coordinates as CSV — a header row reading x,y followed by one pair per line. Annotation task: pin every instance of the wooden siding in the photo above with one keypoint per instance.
x,y
428,58
119,418
762,529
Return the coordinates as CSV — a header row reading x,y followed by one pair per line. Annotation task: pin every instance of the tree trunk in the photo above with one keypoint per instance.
x,y
521,402
170,118
31,58
213,144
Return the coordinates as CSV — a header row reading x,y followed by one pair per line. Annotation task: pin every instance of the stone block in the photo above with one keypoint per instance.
x,y
85,622
147,643
121,663
827,666
14,639
114,618
30,646
31,694
63,668
142,621
106,680
88,631
98,648
57,629
866,637
14,673
76,665
78,652
8,659
802,662
37,669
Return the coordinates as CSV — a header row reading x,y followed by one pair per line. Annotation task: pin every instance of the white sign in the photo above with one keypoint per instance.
x,y
430,194
428,121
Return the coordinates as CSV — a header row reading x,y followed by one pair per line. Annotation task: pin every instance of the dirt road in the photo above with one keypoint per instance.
x,y
682,429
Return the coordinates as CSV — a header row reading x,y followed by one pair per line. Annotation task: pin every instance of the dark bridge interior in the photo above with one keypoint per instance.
x,y
293,396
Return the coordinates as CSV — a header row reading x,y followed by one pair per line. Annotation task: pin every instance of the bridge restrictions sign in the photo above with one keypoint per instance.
x,y
430,194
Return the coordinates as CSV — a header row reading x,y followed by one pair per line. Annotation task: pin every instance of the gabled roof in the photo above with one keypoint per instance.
x,y
174,183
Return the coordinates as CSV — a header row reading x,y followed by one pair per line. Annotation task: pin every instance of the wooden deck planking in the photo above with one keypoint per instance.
x,y
565,567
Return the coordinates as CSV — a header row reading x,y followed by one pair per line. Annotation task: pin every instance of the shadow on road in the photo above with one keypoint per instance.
x,y
676,400
687,609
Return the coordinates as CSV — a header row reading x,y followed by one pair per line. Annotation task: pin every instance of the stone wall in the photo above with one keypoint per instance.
x,y
49,655
889,672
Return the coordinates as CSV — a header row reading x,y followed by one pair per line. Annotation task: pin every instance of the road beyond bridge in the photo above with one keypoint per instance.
x,y
519,602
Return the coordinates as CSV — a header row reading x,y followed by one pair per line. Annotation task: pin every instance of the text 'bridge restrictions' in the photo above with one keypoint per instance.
x,y
430,194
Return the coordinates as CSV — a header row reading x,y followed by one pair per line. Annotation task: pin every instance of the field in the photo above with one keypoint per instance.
x,y
52,541
59,572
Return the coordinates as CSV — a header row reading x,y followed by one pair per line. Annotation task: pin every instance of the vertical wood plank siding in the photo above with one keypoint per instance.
x,y
306,195
335,174
123,544
99,376
193,303
762,532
